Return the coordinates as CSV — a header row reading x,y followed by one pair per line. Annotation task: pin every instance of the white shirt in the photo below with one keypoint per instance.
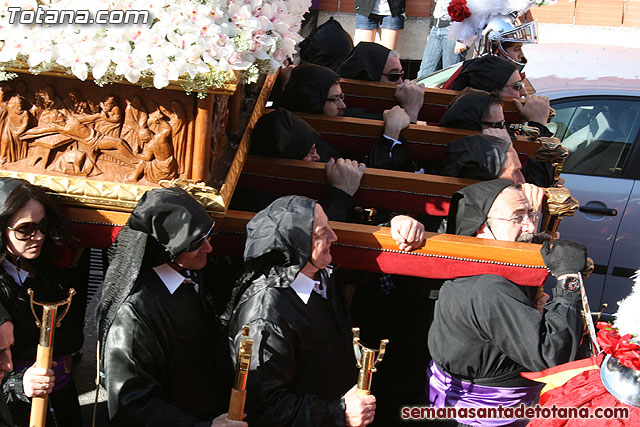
x,y
304,285
381,7
171,278
440,11
393,144
18,275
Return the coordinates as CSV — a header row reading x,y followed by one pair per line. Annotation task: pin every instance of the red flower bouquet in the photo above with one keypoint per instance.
x,y
620,347
458,10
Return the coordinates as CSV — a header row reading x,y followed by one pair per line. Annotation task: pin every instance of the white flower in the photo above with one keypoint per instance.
x,y
185,38
628,317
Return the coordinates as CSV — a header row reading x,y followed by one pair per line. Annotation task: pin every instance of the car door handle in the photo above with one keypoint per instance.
x,y
598,211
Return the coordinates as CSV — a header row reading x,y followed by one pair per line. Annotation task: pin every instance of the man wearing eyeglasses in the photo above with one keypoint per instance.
x,y
165,358
487,329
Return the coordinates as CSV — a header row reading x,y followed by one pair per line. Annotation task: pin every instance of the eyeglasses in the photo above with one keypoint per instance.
x,y
518,85
336,98
196,244
28,230
496,125
393,77
522,218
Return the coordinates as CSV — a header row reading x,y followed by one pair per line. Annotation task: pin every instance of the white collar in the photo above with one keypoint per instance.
x,y
304,285
170,277
19,275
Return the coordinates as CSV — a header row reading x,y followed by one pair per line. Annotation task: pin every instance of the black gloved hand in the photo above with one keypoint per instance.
x,y
564,257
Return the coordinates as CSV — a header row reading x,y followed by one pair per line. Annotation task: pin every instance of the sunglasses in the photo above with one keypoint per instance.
x,y
394,77
336,98
518,85
197,243
496,125
28,230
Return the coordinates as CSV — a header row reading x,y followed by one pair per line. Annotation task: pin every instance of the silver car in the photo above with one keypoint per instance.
x,y
596,93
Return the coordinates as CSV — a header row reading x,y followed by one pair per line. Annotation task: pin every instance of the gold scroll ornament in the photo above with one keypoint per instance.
x,y
559,203
50,321
551,150
239,389
366,361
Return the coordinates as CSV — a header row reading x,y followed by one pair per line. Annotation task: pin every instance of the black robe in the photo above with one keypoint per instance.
x,y
166,359
486,330
302,361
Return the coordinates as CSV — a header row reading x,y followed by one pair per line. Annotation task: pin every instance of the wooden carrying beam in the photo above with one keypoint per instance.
x,y
375,96
353,136
443,256
371,248
382,189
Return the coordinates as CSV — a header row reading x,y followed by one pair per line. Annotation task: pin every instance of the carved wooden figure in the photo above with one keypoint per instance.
x,y
120,133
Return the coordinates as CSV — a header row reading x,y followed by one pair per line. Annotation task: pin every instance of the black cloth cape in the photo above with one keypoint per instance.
x,y
488,73
466,110
365,62
307,89
302,361
328,45
166,356
476,157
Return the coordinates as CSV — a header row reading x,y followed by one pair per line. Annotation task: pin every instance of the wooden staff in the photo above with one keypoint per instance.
x,y
239,389
366,361
50,321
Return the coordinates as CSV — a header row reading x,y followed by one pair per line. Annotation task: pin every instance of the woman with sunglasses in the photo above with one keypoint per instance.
x,y
373,62
31,230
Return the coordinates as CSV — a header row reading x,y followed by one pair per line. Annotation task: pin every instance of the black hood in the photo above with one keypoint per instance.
x,y
307,89
277,247
470,206
488,73
365,62
172,217
476,157
283,134
284,228
466,110
328,45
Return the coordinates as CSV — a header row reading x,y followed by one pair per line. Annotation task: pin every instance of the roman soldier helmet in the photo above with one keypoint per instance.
x,y
504,29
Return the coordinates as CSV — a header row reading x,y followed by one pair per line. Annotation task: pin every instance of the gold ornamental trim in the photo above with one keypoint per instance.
x,y
88,193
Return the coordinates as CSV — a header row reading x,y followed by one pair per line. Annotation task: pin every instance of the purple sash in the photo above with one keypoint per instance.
x,y
62,370
447,391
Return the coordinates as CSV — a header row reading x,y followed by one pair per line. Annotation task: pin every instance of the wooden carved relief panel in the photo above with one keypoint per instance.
x,y
121,133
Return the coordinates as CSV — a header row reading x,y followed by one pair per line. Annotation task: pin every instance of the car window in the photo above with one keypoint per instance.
x,y
598,133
